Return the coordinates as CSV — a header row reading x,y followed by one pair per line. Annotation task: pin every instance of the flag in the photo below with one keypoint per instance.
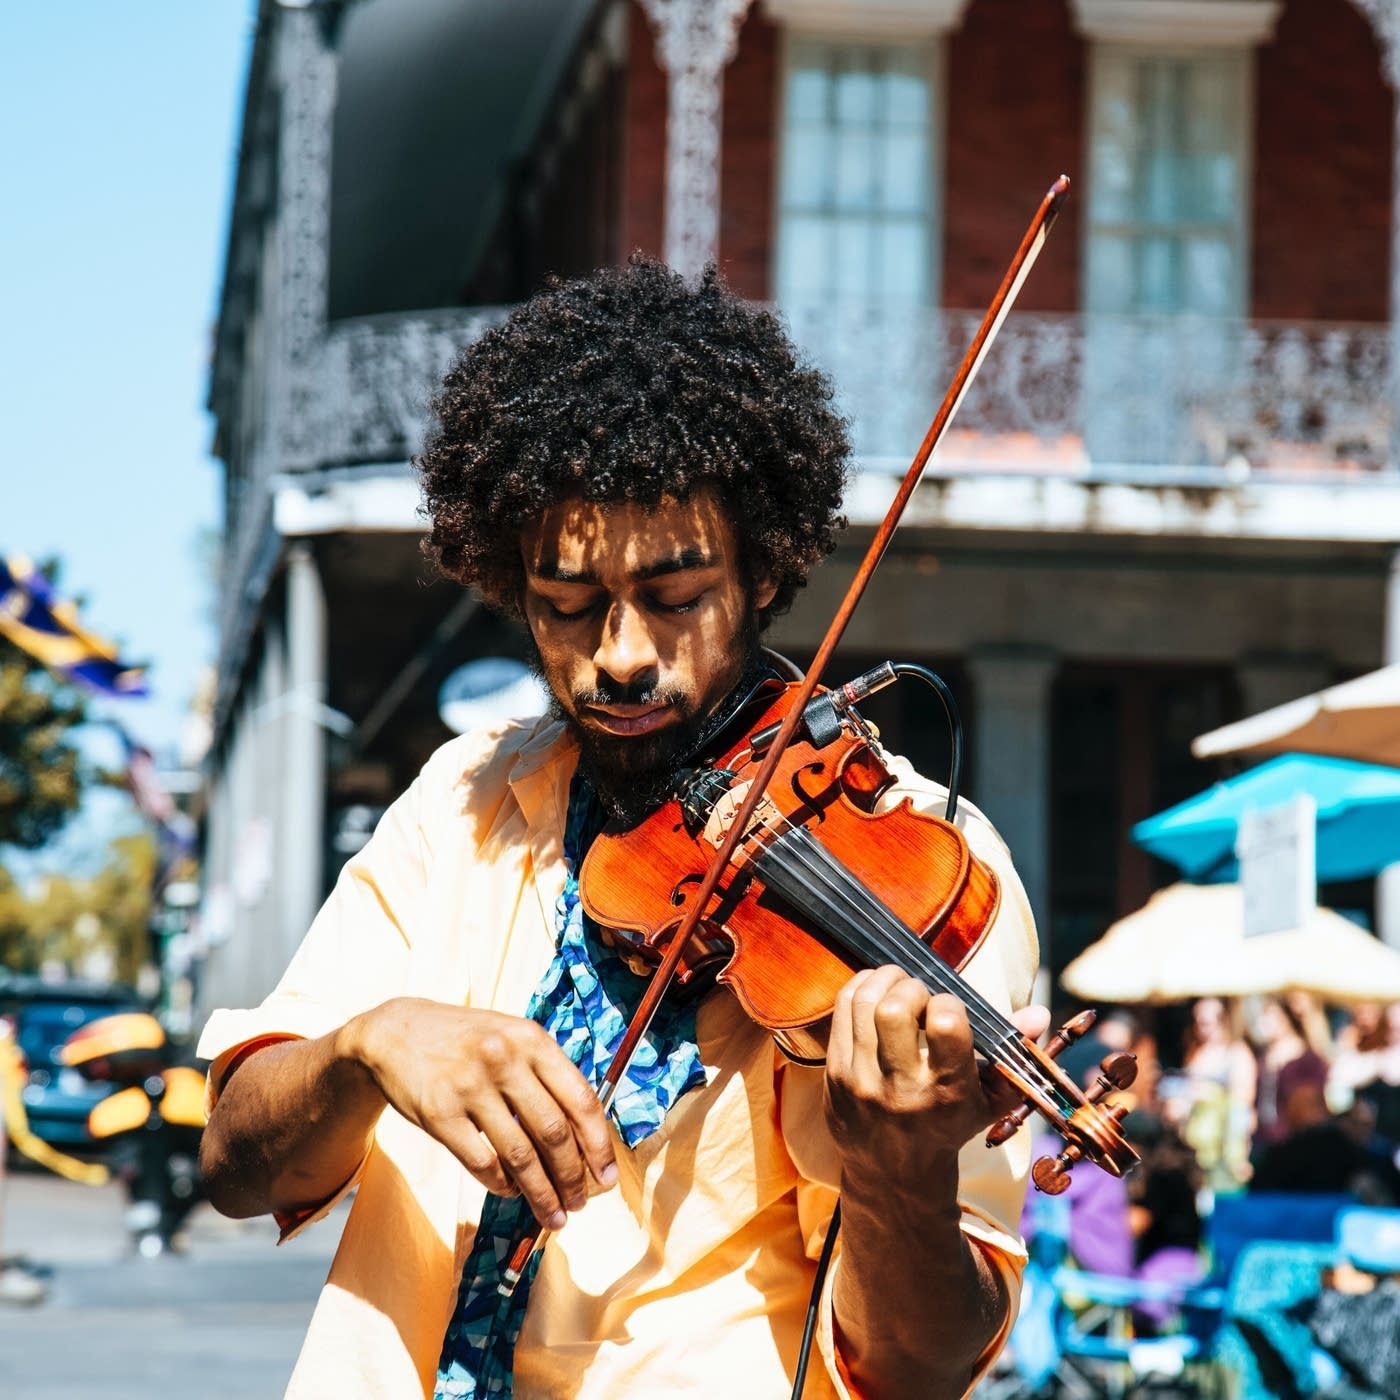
x,y
47,628
176,837
145,788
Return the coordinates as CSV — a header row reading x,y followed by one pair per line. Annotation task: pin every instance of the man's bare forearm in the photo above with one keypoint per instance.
x,y
915,1302
290,1126
496,1091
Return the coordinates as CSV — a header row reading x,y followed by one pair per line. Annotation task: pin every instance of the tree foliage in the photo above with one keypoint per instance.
x,y
81,923
40,773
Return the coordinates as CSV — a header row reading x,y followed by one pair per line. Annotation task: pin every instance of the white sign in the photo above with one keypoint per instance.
x,y
1277,850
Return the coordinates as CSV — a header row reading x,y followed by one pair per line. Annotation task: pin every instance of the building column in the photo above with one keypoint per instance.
x,y
695,39
307,74
301,828
1011,766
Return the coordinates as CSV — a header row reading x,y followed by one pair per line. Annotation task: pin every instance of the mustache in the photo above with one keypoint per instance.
x,y
631,693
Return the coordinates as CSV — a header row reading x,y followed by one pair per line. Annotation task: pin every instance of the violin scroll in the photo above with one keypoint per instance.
x,y
1091,1131
1100,1138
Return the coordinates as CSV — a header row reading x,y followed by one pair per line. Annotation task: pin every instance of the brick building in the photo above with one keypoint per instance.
x,y
1171,498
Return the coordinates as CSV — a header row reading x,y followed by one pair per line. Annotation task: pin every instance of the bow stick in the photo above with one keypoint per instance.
x,y
1021,263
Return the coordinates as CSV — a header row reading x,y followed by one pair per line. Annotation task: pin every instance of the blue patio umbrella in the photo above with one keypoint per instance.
x,y
1358,818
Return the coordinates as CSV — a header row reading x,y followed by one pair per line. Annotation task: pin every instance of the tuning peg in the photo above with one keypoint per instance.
x,y
1051,1174
1005,1128
1116,1072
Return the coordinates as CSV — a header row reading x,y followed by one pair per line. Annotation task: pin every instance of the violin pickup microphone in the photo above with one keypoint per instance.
x,y
821,719
853,692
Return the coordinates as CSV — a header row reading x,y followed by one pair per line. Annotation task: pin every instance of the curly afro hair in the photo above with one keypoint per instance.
x,y
631,385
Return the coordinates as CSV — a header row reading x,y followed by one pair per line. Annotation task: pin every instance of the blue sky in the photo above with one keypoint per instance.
x,y
118,130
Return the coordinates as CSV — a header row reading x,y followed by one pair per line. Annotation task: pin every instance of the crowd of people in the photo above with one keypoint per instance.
x,y
1267,1094
1276,1096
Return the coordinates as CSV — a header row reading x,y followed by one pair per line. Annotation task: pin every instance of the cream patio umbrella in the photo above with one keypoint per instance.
x,y
1188,941
1358,719
1334,960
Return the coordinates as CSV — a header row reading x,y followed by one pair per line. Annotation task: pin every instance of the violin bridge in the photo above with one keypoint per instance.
x,y
722,814
710,800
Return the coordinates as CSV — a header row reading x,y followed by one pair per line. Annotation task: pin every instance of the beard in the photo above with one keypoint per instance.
x,y
633,776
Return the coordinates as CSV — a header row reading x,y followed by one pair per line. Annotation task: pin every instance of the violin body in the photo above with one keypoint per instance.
x,y
781,963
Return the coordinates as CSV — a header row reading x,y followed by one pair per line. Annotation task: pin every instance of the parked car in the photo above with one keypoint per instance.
x,y
57,1099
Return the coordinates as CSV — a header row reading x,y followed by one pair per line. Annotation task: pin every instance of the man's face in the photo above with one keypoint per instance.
x,y
644,622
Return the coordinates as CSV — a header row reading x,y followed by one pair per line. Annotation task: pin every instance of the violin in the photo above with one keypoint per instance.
x,y
822,884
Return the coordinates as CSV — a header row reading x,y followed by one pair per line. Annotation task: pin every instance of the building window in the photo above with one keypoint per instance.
x,y
1165,256
1167,183
855,216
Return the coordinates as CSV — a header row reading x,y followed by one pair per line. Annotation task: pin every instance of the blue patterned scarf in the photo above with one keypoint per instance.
x,y
584,1001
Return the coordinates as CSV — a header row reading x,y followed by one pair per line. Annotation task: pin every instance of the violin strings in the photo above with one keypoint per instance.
x,y
900,946
880,936
828,877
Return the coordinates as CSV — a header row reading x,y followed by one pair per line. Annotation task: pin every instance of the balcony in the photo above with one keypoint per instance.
x,y
1073,425
1137,398
1140,398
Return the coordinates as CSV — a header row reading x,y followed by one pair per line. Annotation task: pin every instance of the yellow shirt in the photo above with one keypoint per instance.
x,y
691,1277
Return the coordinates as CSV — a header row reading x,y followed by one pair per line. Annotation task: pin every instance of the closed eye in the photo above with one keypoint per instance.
x,y
570,614
688,606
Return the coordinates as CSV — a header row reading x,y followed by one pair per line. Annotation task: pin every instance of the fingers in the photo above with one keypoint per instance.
x,y
877,1022
949,1036
890,1031
545,1130
533,1174
473,1149
499,1093
587,1121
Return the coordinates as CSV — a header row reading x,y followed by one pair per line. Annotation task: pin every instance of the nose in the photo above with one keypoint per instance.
x,y
626,650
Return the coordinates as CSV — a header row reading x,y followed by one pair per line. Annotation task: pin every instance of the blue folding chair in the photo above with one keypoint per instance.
x,y
1076,1334
1276,1216
1269,1353
1369,1238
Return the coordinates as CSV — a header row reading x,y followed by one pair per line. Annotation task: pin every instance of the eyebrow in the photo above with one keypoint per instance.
x,y
690,558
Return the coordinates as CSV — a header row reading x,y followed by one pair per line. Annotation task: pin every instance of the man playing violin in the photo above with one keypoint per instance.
x,y
645,474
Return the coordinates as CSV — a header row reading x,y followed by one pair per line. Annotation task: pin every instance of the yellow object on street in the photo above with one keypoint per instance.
x,y
17,1125
119,1113
183,1103
125,1032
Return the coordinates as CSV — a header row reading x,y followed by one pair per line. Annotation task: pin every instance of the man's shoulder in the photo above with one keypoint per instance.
x,y
931,796
467,779
492,754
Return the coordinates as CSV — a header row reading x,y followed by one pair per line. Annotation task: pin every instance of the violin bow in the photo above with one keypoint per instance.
x,y
1016,273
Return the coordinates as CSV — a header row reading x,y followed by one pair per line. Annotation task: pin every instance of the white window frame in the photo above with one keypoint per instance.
x,y
1244,122
935,47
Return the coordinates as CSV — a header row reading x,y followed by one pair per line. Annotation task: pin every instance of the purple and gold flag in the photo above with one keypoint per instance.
x,y
47,628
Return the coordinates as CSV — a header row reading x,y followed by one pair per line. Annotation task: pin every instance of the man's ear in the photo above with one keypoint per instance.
x,y
764,591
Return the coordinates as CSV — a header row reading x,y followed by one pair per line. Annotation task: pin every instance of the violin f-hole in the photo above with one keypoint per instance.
x,y
812,803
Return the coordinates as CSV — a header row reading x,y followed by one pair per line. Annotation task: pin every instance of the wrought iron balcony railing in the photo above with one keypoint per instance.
x,y
1085,395
1062,394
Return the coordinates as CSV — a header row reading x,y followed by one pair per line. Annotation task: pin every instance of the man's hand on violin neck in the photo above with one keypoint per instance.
x,y
904,1088
497,1092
